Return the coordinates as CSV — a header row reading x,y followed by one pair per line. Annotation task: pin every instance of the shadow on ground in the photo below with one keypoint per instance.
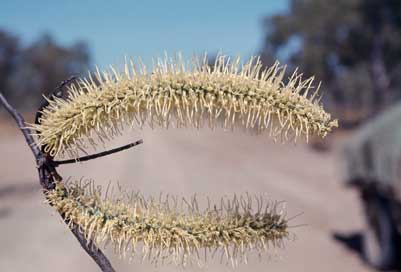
x,y
13,194
18,190
354,242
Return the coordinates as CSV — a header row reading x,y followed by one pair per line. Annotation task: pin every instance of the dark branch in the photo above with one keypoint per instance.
x,y
98,155
96,254
21,124
57,92
47,176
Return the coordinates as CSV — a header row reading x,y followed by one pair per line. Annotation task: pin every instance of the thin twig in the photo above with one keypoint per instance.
x,y
47,176
21,124
93,251
57,92
98,155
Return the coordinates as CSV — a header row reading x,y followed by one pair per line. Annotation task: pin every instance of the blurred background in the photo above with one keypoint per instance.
x,y
347,187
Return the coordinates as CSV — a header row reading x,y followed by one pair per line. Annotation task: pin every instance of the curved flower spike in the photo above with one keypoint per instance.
x,y
190,95
165,232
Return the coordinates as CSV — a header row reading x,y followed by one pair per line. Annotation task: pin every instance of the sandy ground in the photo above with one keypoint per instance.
x,y
184,162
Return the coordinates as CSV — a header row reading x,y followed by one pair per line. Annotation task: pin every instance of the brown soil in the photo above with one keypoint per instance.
x,y
184,162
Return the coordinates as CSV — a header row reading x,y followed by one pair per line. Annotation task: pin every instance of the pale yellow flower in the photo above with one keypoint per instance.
x,y
180,94
172,230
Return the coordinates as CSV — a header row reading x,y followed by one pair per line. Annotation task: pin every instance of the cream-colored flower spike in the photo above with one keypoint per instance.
x,y
181,94
172,230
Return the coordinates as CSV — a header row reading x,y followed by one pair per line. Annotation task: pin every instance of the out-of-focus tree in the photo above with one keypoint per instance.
x,y
352,46
8,52
28,72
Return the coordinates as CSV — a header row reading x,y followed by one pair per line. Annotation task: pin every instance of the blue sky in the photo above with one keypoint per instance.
x,y
114,29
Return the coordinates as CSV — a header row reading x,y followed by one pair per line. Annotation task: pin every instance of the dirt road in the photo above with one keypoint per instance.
x,y
184,162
